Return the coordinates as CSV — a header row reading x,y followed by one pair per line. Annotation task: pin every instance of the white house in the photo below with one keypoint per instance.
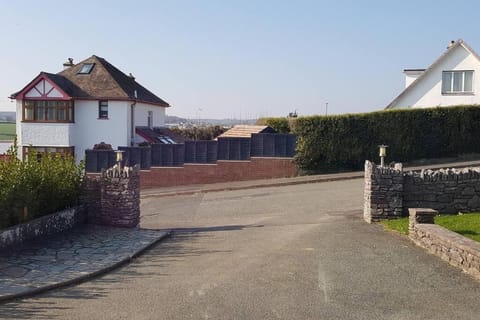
x,y
449,81
85,104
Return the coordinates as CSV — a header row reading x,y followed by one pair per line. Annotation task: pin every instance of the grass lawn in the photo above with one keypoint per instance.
x,y
400,225
7,131
467,224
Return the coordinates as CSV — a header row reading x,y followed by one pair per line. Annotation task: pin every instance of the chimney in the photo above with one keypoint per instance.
x,y
68,64
451,44
131,76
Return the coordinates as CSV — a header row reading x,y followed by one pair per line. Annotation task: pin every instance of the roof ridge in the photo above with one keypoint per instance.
x,y
105,63
104,81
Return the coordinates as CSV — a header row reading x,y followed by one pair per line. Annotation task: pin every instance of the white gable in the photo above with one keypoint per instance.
x,y
426,91
33,93
43,89
54,93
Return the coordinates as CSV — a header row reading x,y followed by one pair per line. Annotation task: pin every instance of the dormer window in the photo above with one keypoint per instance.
x,y
455,82
86,68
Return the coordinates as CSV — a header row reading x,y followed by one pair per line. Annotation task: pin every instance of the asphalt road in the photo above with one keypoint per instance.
x,y
296,252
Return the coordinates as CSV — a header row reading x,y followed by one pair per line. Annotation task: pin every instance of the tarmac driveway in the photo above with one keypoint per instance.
x,y
294,252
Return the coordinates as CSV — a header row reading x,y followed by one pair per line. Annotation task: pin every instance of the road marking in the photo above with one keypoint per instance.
x,y
322,282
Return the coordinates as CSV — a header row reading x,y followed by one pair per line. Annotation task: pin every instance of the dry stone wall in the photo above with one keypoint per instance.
x,y
113,198
445,190
449,246
383,197
389,191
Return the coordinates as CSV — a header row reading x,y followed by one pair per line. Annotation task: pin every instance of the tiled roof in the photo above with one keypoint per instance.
x,y
153,135
104,81
245,131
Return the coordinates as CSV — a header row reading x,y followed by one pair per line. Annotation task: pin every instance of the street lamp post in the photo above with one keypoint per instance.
x,y
382,154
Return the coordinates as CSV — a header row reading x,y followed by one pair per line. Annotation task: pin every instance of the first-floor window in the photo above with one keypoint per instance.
x,y
48,111
457,81
103,109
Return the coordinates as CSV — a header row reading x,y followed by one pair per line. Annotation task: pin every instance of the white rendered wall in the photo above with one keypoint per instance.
x,y
428,91
90,130
42,133
18,124
411,76
141,115
47,134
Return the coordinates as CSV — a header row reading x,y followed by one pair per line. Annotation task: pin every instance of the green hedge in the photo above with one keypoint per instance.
x,y
281,125
33,188
344,142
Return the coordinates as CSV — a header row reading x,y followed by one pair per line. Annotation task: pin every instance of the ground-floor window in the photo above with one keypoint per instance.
x,y
40,151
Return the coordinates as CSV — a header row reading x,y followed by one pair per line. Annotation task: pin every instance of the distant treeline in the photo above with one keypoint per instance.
x,y
200,133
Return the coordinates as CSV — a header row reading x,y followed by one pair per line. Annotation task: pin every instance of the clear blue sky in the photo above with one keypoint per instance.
x,y
241,58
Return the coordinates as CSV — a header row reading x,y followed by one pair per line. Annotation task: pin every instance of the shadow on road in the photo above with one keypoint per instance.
x,y
177,247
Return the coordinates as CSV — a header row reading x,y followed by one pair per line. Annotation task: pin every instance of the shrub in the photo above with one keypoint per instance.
x,y
37,186
200,133
344,142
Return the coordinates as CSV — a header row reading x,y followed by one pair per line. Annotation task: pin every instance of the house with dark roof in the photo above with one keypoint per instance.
x,y
449,81
85,104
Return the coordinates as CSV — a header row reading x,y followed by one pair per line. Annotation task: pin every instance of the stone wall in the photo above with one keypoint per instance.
x,y
449,246
113,198
448,191
389,191
383,196
120,197
43,226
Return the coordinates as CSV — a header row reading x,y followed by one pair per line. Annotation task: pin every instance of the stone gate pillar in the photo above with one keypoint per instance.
x,y
383,194
120,197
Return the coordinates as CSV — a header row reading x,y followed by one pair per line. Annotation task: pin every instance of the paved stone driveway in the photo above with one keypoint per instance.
x,y
297,252
68,256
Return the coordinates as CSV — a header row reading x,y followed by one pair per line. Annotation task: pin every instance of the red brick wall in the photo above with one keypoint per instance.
x,y
223,171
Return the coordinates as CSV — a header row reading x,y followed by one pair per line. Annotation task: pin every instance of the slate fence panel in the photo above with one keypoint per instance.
x,y
190,152
96,160
175,155
156,155
178,155
137,155
201,151
212,151
273,145
291,145
234,148
168,155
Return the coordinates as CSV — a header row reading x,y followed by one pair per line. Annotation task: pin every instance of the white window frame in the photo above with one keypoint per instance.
x,y
452,81
103,109
150,119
